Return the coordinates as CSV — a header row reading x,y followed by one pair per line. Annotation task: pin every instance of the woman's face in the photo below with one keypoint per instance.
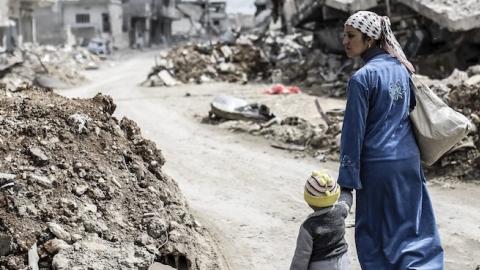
x,y
353,42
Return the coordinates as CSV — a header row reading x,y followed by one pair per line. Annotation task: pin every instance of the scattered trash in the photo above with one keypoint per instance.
x,y
282,89
232,108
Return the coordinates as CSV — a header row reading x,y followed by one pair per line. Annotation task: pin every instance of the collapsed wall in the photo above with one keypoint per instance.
x,y
81,189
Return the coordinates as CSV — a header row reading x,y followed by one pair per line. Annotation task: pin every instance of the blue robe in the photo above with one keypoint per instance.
x,y
395,226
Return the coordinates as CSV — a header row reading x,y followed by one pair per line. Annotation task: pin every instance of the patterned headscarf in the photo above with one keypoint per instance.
x,y
378,28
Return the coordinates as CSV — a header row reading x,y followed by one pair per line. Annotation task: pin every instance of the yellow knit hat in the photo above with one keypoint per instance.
x,y
321,190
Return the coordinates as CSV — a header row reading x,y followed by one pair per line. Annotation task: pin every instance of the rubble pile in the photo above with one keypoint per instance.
x,y
204,62
461,91
80,189
46,66
275,58
295,61
464,160
295,133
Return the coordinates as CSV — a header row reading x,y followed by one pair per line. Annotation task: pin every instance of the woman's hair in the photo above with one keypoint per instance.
x,y
376,42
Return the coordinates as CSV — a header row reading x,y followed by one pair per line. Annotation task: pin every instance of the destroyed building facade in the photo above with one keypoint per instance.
x,y
201,17
17,23
450,29
149,22
76,22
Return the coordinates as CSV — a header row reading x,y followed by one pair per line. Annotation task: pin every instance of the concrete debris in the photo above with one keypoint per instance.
x,y
45,66
58,231
79,122
55,245
33,257
323,140
94,199
293,133
273,57
202,62
461,91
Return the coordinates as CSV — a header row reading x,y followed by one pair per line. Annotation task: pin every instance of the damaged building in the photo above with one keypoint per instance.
x,y
447,28
201,17
149,22
17,23
79,21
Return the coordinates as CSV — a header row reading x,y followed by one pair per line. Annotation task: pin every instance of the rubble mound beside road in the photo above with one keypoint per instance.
x,y
218,62
46,66
88,190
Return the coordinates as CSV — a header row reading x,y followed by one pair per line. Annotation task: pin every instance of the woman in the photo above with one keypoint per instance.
x,y
395,226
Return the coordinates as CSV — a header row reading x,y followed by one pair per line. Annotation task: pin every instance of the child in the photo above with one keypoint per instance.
x,y
321,244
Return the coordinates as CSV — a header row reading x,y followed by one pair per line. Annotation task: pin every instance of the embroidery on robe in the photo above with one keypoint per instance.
x,y
396,91
346,161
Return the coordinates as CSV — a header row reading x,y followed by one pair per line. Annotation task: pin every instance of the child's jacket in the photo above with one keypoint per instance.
x,y
321,237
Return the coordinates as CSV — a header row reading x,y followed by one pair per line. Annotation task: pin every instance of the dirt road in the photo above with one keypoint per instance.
x,y
246,192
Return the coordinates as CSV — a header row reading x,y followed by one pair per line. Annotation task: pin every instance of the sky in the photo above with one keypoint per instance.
x,y
240,6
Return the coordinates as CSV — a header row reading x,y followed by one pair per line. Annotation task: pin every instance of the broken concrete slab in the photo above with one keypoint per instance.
x,y
455,15
59,232
33,257
38,156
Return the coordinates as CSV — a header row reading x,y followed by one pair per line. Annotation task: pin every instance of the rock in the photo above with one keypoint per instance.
x,y
60,262
55,245
473,70
456,78
41,180
33,257
226,51
76,237
80,190
59,232
38,156
166,78
79,121
475,79
5,245
97,193
7,176
156,227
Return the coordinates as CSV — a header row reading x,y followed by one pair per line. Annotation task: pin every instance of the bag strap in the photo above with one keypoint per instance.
x,y
413,99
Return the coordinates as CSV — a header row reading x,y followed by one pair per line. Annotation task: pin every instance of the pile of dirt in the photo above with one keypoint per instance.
x,y
83,190
46,66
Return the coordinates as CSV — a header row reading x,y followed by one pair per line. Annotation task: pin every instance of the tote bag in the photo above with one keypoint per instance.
x,y
437,127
